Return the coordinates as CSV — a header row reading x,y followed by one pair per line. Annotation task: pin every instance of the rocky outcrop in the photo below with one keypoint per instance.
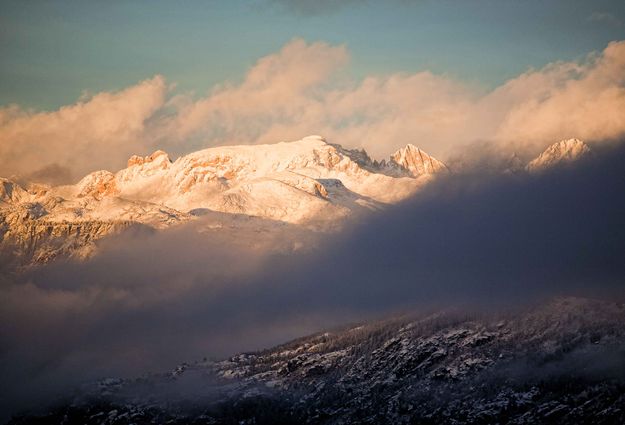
x,y
26,238
39,225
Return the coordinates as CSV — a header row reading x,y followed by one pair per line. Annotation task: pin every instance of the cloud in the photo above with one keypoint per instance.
x,y
302,90
68,323
96,132
281,98
568,100
292,93
52,174
149,301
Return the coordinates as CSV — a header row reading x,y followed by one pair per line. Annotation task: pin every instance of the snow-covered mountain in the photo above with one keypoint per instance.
x,y
295,182
308,182
564,151
556,363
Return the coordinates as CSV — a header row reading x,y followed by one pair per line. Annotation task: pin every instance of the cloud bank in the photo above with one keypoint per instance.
x,y
96,132
302,90
149,301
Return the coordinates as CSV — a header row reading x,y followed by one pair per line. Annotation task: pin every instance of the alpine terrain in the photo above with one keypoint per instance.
x,y
308,183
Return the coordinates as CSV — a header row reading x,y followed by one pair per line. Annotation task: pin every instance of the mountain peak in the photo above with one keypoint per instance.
x,y
564,151
416,161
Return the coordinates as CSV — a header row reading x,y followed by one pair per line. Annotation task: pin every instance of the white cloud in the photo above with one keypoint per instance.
x,y
290,93
568,100
300,90
93,133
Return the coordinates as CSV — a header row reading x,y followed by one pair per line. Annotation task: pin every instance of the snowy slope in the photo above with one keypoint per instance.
x,y
292,182
308,182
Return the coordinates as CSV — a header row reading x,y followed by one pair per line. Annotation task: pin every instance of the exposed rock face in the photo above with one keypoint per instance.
x,y
24,239
417,162
553,364
39,225
565,151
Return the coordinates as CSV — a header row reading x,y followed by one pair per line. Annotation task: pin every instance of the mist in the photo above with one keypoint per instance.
x,y
150,300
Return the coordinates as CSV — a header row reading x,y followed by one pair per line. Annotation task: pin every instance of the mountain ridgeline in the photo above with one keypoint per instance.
x,y
308,183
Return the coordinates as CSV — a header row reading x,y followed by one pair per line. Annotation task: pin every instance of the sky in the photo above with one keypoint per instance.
x,y
84,85
53,52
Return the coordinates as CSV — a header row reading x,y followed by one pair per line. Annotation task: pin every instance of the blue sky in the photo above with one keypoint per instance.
x,y
54,51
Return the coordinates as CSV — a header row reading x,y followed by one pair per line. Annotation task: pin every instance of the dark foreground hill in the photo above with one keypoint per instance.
x,y
563,362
